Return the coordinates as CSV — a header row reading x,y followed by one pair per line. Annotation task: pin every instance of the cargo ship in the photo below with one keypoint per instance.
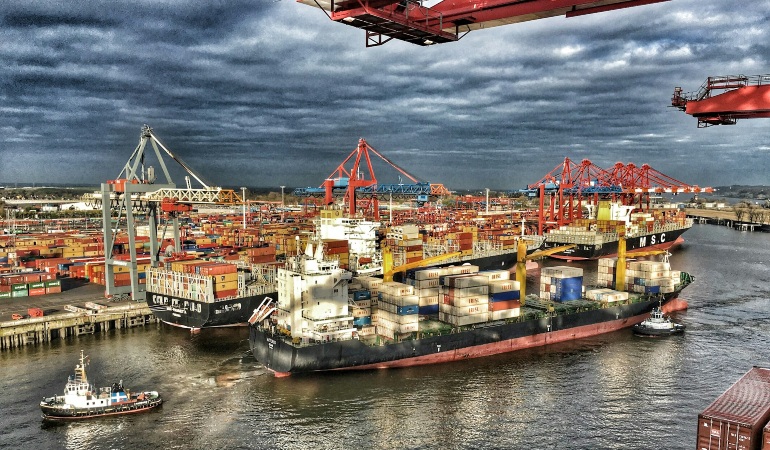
x,y
325,319
597,236
199,294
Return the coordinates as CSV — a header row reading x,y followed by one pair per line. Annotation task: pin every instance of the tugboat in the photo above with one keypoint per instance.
x,y
82,401
658,324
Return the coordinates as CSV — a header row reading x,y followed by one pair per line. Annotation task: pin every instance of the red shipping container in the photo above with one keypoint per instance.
x,y
53,289
735,420
226,293
507,304
5,288
37,291
218,269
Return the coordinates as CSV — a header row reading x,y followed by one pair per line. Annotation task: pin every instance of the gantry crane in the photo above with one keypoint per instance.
x,y
449,20
355,184
725,99
568,184
136,190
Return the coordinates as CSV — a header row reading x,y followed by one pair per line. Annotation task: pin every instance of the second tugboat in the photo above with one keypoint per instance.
x,y
658,324
82,401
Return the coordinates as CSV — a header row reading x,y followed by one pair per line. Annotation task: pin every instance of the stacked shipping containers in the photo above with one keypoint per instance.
x,y
426,287
24,284
406,239
645,277
561,283
464,299
397,310
504,295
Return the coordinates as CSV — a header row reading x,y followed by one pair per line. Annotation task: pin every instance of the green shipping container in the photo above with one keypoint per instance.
x,y
24,293
19,287
4,295
52,283
39,284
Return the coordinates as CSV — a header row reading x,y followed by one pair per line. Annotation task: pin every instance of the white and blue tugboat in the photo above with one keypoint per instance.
x,y
658,324
82,401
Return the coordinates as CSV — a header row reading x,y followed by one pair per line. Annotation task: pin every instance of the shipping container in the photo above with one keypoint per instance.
x,y
735,420
766,437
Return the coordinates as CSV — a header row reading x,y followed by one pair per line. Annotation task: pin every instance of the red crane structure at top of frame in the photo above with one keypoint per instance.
x,y
449,20
725,99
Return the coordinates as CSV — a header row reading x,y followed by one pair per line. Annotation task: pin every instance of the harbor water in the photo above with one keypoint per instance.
x,y
615,391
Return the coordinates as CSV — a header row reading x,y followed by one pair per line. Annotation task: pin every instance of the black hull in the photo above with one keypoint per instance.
x,y
56,413
280,356
662,240
194,314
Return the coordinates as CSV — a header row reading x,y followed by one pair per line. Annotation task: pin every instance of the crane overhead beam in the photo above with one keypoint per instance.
x,y
450,20
724,100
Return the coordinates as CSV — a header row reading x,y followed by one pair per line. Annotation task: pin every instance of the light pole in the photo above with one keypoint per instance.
x,y
283,210
487,189
282,195
243,197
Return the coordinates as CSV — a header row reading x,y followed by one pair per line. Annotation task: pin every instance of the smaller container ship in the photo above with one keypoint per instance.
x,y
597,236
81,400
326,319
198,293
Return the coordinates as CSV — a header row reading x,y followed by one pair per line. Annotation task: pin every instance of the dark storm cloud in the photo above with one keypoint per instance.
x,y
267,93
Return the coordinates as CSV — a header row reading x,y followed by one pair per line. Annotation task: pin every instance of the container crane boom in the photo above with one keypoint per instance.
x,y
725,99
449,20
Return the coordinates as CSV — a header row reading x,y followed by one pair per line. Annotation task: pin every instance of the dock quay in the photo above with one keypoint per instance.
x,y
78,311
724,218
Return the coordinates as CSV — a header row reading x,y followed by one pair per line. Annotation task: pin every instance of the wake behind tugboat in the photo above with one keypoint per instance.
x,y
82,401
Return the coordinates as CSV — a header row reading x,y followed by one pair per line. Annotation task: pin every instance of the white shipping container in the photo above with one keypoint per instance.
x,y
427,292
505,314
427,274
422,284
466,301
503,286
463,320
494,275
368,330
427,301
462,270
464,292
464,310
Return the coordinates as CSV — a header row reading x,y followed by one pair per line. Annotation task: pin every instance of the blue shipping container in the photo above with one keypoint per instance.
x,y
362,321
429,309
407,310
505,296
362,295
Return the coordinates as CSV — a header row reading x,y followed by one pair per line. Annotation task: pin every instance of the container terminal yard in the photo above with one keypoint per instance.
x,y
113,265
193,267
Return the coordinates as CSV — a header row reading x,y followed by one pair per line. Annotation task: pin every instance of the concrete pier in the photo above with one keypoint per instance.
x,y
39,330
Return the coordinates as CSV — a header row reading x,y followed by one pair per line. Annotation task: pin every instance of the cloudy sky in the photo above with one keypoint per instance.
x,y
267,93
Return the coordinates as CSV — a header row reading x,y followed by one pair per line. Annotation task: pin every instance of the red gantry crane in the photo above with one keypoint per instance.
x,y
361,187
725,99
569,185
449,20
